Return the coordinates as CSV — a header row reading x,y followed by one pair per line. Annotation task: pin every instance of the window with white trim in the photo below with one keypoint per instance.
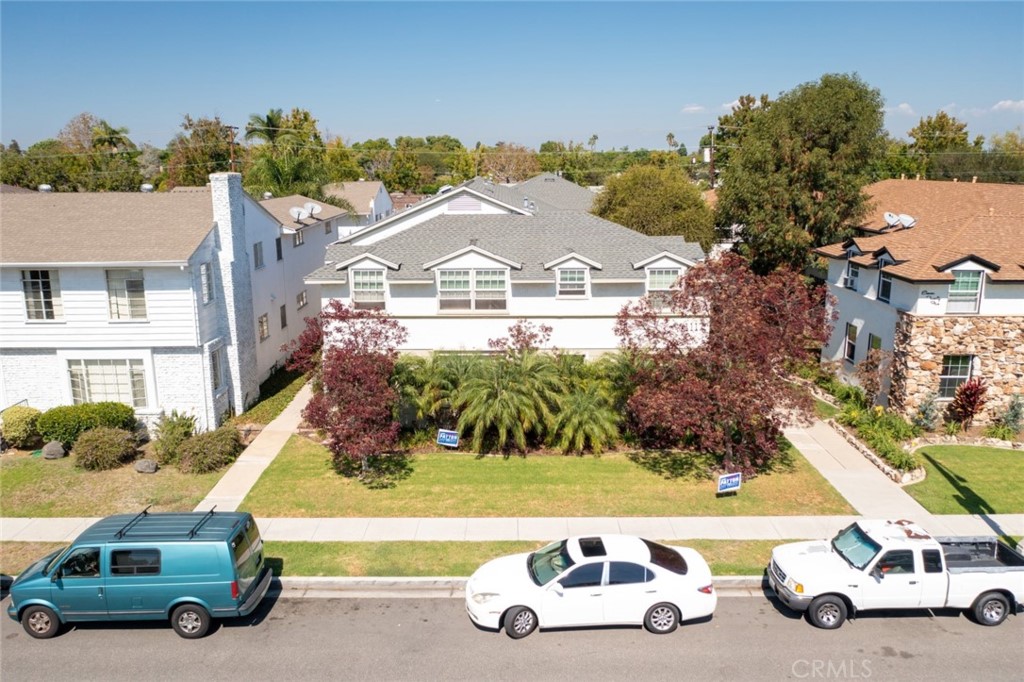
x,y
279,248
485,289
368,289
852,276
850,343
284,316
301,301
122,381
964,292
298,239
126,294
257,255
42,294
659,285
206,281
956,369
572,282
217,368
263,323
884,286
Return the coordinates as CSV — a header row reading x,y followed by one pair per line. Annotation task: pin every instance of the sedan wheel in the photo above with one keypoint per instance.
x,y
662,619
519,622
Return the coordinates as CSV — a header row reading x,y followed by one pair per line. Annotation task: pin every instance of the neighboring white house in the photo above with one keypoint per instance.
x,y
458,269
177,300
369,199
938,281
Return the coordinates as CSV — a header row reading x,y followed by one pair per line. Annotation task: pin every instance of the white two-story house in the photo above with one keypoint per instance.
x,y
178,300
458,269
937,280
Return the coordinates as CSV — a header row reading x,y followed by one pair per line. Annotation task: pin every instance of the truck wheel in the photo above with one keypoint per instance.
x,y
190,621
991,609
827,612
40,622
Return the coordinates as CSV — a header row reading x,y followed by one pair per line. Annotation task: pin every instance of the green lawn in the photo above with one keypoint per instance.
x,y
301,483
275,394
456,559
33,486
970,480
825,410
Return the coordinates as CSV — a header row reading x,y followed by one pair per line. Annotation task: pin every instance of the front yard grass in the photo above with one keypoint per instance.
x,y
964,479
453,559
33,486
275,393
301,483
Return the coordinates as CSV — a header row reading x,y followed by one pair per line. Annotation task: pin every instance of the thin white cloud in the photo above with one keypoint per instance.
x,y
1009,105
729,106
694,109
902,108
949,108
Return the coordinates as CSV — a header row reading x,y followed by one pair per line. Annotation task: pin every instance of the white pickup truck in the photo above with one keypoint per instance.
x,y
897,565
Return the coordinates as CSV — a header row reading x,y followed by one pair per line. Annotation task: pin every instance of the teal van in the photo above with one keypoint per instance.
x,y
187,567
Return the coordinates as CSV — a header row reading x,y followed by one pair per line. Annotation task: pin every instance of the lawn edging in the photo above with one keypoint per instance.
x,y
898,475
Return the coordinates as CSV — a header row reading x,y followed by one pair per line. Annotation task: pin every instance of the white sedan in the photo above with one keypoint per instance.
x,y
592,580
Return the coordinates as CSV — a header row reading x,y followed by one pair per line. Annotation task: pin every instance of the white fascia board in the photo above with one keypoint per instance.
x,y
569,256
618,280
665,254
472,249
393,282
377,259
101,264
309,280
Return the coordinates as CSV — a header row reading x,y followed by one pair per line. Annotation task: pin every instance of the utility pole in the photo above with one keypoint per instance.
x,y
711,156
231,140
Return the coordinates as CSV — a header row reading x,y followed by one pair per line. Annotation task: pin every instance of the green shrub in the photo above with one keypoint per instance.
x,y
927,416
104,448
20,428
209,451
171,432
1000,431
850,416
854,395
111,414
893,424
1013,417
878,438
952,428
65,423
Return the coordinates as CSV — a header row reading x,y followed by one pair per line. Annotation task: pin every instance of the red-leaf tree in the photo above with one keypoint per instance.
x,y
716,383
353,400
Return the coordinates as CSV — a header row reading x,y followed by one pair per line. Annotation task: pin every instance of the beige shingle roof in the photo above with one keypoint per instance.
x,y
359,194
279,207
102,227
955,221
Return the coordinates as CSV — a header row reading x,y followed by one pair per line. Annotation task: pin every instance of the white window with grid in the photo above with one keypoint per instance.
x,y
42,294
126,294
368,289
956,369
454,290
263,324
298,239
206,281
489,290
884,287
122,381
659,286
850,343
964,292
301,300
572,282
257,255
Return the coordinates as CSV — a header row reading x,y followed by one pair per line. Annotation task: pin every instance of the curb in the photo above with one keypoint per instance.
x,y
447,588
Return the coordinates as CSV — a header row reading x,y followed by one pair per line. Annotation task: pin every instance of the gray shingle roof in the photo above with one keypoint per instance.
x,y
557,192
103,227
529,240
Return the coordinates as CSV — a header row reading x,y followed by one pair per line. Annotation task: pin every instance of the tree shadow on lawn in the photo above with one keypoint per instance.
x,y
970,501
673,464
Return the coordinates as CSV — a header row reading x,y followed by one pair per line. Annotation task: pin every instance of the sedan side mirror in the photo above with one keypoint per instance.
x,y
558,589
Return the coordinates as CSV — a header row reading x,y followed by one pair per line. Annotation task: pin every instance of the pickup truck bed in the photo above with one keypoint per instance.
x,y
964,554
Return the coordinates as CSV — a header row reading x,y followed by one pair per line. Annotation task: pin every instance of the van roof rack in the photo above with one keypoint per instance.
x,y
206,517
138,517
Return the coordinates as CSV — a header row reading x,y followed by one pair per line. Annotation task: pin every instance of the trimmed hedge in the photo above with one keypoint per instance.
x,y
20,426
209,451
104,448
67,422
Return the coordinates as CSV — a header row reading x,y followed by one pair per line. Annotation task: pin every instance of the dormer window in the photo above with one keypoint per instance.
x,y
659,285
852,276
884,286
368,289
473,289
572,282
964,292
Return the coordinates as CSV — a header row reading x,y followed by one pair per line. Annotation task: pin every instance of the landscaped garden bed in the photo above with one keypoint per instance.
x,y
301,482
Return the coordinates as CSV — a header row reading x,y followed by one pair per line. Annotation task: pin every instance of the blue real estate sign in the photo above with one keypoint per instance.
x,y
729,483
448,438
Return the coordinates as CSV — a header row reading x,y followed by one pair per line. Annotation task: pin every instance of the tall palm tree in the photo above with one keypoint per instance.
x,y
270,128
108,138
586,420
509,399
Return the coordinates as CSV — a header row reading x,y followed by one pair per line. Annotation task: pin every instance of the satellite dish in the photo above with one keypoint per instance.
x,y
312,209
891,219
298,213
907,220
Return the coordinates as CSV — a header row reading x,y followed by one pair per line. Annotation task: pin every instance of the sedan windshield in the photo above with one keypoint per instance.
x,y
548,563
855,546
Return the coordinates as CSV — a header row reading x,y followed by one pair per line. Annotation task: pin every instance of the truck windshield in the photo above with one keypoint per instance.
x,y
855,546
549,562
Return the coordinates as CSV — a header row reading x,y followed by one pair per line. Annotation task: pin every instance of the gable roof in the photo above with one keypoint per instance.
x,y
530,241
557,192
956,221
50,228
359,194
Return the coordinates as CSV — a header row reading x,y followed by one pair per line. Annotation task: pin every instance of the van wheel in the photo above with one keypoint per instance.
x,y
827,612
190,621
40,622
991,609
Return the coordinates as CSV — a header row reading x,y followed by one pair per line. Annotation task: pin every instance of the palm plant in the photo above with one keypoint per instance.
x,y
586,420
108,138
269,128
442,377
509,399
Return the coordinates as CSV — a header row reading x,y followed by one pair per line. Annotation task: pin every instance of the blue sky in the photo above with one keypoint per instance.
x,y
488,71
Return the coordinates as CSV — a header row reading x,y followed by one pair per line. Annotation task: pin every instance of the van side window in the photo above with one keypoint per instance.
x,y
83,562
932,560
135,562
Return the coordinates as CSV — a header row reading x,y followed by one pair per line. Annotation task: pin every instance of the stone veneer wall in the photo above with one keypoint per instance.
x,y
921,342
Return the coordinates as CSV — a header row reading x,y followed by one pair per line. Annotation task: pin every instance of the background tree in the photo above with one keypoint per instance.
x,y
795,180
340,162
204,147
940,145
508,162
731,129
657,201
727,397
270,128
